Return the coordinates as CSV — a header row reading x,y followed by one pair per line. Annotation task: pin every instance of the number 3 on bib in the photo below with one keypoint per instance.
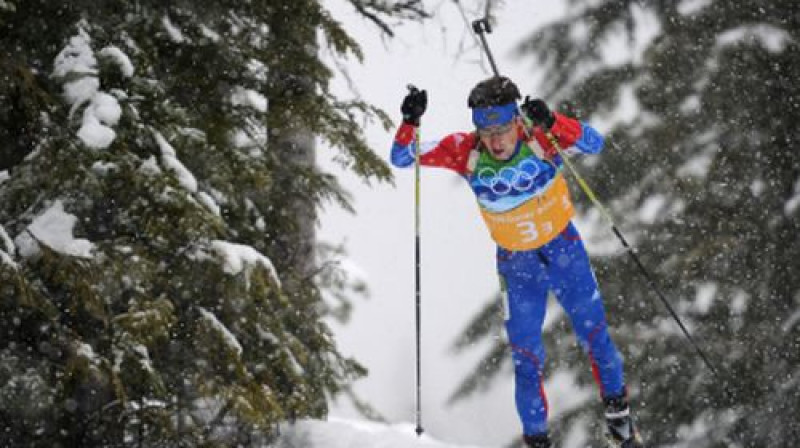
x,y
535,222
528,231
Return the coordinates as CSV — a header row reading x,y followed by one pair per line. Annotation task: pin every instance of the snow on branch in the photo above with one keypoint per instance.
x,y
53,228
119,58
239,257
227,336
170,160
7,248
75,67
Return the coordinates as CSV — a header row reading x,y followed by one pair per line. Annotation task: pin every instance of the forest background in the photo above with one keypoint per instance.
x,y
162,281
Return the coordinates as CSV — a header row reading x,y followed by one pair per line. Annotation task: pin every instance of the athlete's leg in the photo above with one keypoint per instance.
x,y
526,286
575,286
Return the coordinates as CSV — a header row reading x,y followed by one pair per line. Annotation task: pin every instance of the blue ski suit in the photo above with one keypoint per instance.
x,y
526,206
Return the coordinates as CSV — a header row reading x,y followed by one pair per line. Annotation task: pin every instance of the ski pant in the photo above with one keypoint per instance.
x,y
561,266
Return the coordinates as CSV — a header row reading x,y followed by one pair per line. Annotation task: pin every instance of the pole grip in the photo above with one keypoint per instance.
x,y
481,25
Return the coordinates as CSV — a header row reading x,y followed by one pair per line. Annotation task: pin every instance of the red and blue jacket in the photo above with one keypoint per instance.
x,y
524,200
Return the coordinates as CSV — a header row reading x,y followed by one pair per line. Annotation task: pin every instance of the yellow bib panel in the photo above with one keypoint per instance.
x,y
535,222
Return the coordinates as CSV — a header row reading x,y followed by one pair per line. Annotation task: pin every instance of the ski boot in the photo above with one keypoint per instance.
x,y
621,430
537,441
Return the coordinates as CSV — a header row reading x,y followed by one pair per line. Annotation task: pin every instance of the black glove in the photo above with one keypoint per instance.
x,y
538,112
414,105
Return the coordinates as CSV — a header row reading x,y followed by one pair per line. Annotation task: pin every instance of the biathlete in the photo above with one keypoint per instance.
x,y
516,175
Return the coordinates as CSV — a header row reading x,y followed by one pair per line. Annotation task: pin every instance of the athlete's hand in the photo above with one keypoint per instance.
x,y
538,112
414,105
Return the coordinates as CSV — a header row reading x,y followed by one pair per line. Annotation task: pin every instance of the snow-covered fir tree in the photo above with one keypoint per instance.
x,y
158,197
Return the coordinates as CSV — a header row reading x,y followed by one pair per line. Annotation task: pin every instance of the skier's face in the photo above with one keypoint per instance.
x,y
500,140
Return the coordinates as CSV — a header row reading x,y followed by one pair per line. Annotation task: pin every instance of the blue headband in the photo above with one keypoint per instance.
x,y
484,117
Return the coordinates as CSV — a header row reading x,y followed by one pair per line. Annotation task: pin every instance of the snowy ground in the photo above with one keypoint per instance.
x,y
342,433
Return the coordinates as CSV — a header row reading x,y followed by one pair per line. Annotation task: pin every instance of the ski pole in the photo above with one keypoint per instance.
x,y
417,282
482,25
642,269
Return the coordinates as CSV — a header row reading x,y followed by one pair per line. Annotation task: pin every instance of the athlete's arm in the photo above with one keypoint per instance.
x,y
451,152
573,136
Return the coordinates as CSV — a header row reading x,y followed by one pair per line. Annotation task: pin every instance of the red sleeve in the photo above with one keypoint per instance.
x,y
451,152
405,134
566,130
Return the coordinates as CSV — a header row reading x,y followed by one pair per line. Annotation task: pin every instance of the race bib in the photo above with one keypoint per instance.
x,y
535,222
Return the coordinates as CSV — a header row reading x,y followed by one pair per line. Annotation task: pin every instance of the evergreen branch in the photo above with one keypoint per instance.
x,y
338,38
483,374
374,9
364,408
486,322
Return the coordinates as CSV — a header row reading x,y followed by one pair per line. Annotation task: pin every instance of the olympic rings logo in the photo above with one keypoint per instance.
x,y
518,177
